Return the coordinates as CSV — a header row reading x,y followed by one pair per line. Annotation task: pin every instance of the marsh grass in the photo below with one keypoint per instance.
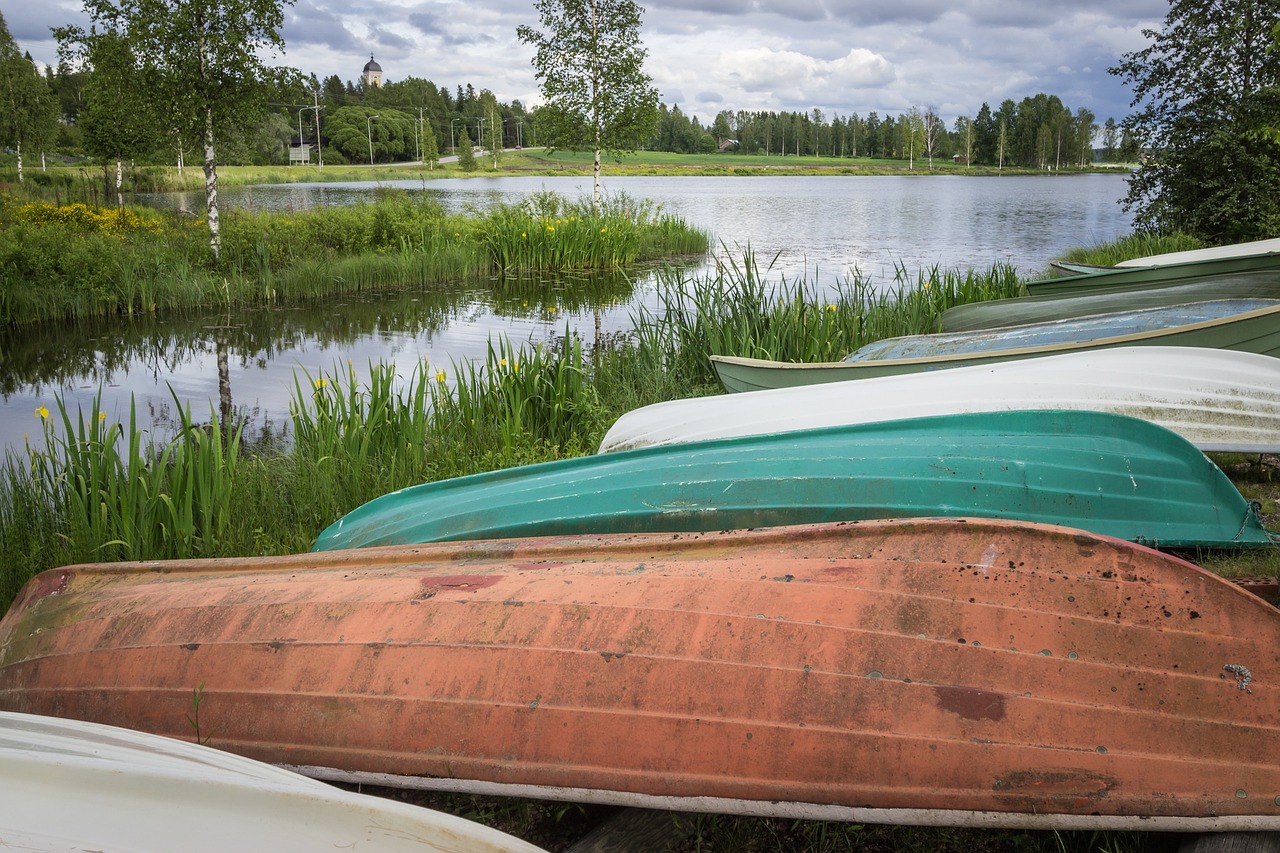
x,y
742,310
73,261
123,496
1136,245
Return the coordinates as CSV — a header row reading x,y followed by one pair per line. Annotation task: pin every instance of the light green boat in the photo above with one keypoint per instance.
x,y
999,313
1115,279
1244,325
1109,474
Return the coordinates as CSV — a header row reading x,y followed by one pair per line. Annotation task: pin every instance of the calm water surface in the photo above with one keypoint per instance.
x,y
818,227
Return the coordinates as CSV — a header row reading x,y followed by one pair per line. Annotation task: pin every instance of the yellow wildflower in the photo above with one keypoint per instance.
x,y
440,376
42,412
102,416
322,382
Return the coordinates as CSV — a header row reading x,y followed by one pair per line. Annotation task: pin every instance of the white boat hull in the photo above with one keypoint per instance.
x,y
68,785
1219,400
1234,250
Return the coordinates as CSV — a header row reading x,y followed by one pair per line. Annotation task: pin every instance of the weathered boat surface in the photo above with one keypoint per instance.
x,y
971,672
1231,250
1217,400
1058,332
71,785
1252,331
997,313
1121,278
1106,473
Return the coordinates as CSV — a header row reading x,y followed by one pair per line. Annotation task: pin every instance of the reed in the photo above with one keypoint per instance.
x,y
116,494
740,310
1137,245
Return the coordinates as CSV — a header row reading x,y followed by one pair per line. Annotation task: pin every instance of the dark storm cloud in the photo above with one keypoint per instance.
x,y
307,24
433,26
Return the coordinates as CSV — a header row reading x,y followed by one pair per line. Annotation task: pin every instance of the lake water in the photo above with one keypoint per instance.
x,y
817,227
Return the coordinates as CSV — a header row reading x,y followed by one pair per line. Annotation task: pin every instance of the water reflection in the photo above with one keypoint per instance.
x,y
257,354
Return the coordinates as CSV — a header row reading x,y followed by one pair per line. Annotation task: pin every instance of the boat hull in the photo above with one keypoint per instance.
x,y
1001,313
979,672
72,785
1252,331
1218,400
1110,474
1160,275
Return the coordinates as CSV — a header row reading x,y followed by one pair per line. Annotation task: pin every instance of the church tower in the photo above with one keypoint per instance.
x,y
372,73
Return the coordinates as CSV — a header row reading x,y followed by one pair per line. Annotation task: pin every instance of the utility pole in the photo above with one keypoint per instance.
x,y
418,138
368,126
319,148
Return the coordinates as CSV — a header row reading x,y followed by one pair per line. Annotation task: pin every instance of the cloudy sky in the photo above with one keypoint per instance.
x,y
840,56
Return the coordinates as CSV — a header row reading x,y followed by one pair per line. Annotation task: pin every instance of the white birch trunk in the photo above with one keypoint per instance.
x,y
597,199
119,183
211,185
19,151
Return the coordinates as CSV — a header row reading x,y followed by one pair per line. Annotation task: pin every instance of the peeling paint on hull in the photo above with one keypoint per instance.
x,y
960,666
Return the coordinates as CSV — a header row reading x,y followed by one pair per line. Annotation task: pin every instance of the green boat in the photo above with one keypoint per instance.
x,y
1157,275
999,313
1244,325
1109,474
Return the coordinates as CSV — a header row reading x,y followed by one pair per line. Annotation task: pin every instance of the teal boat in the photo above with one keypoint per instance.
x,y
1115,279
1000,313
1109,474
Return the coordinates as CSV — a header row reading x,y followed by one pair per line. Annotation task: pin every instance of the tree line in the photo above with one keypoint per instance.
x,y
1038,132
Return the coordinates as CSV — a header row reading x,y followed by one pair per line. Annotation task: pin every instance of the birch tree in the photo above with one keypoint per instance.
x,y
203,59
589,63
28,108
116,122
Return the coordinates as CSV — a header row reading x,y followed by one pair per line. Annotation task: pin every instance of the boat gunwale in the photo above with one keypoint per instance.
x,y
955,818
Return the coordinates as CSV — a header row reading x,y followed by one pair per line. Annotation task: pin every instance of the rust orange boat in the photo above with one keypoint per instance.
x,y
944,671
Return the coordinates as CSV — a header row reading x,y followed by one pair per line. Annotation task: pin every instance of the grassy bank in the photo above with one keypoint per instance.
x,y
90,184
73,261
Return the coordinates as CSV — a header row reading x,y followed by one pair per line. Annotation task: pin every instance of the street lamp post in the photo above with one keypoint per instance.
x,y
452,146
368,125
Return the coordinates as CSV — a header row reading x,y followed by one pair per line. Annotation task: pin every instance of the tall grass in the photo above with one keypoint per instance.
x,y
1137,245
741,311
113,493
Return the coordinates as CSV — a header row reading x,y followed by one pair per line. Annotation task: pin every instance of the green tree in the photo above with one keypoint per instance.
x,y
203,59
590,67
466,154
1110,137
492,133
365,134
28,109
116,121
1205,88
430,150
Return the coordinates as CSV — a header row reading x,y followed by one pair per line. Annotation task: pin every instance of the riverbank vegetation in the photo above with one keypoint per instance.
x,y
74,261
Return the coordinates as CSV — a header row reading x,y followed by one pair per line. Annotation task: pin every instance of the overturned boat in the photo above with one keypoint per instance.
x,y
941,671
